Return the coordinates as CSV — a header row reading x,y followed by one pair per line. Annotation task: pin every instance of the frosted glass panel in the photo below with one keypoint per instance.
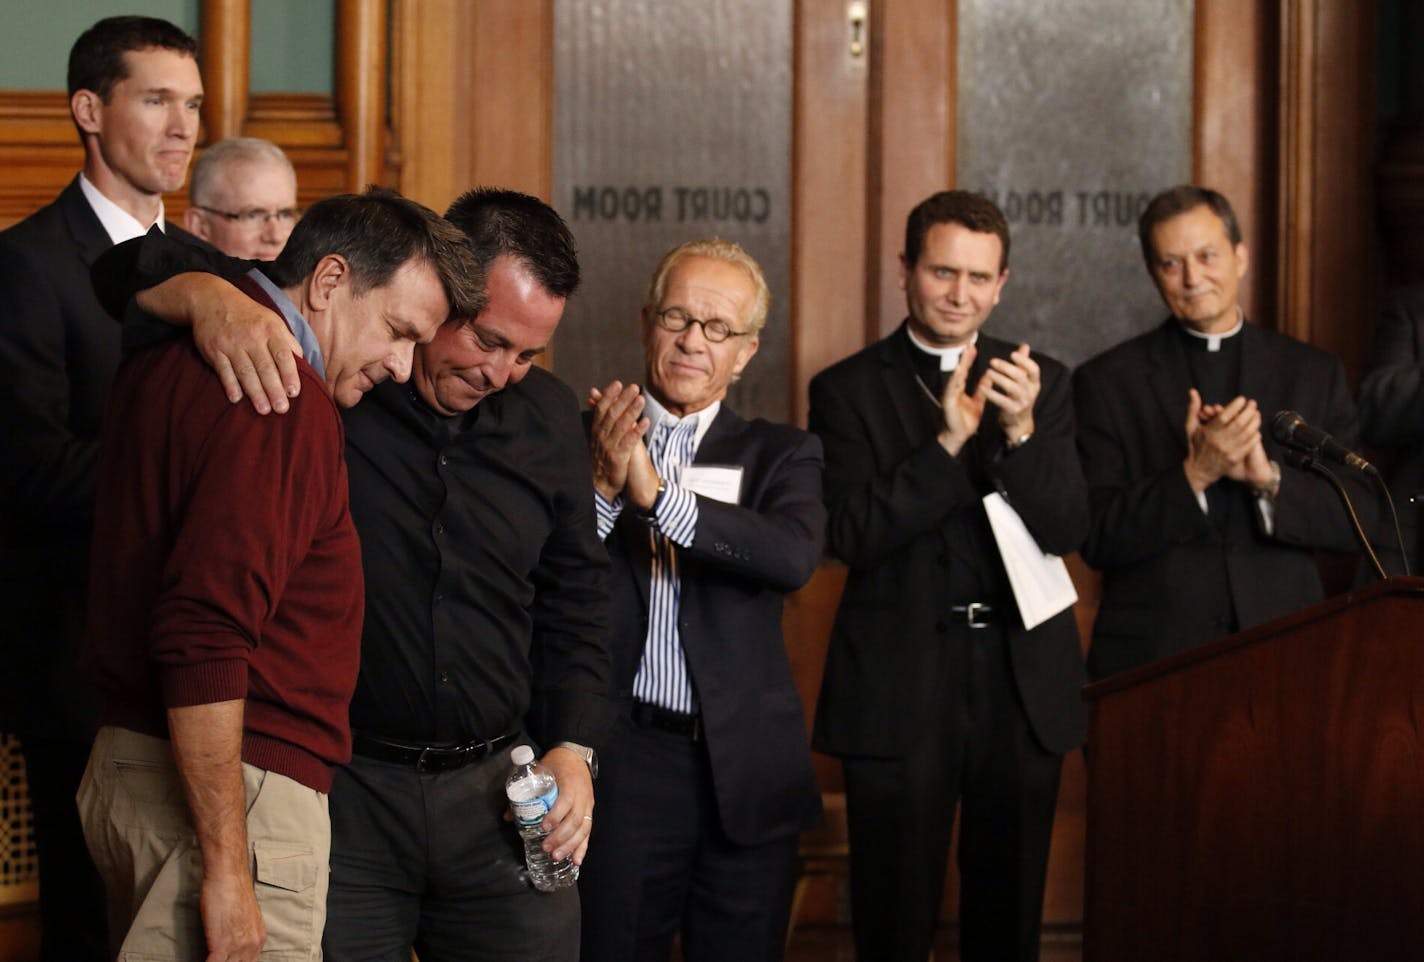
x,y
34,49
1072,115
293,46
672,121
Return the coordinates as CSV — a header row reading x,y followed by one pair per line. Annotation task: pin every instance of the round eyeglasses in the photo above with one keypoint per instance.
x,y
715,329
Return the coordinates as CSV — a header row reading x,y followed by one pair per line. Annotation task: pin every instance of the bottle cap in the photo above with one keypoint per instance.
x,y
522,755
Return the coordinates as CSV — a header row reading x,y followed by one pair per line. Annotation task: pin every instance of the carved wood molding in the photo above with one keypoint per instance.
x,y
36,118
1297,180
40,152
295,120
830,157
1327,280
1234,130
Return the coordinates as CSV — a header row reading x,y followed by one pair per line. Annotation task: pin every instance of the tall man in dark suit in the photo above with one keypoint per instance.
x,y
935,693
710,520
1197,527
134,94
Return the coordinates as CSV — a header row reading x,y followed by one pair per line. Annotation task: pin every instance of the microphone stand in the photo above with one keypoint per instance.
x,y
1394,516
1303,460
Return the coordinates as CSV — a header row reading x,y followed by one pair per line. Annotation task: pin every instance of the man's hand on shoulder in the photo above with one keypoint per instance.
x,y
249,346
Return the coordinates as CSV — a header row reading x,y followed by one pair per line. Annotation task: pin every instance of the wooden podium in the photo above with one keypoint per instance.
x,y
1261,797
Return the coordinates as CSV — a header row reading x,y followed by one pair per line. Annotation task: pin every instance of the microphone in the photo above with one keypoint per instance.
x,y
1290,429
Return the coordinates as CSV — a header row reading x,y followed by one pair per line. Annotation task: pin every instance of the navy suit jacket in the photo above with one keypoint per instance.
x,y
744,559
58,354
1160,555
893,492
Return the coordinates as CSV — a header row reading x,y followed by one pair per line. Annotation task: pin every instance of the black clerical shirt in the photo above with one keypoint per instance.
x,y
973,571
486,585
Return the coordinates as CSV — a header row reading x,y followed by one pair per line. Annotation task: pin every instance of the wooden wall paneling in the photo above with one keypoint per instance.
x,y
39,150
1328,275
1235,130
361,88
431,99
830,204
224,47
1296,177
912,77
512,63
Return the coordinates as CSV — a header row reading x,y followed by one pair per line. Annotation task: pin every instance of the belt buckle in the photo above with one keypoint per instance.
x,y
972,612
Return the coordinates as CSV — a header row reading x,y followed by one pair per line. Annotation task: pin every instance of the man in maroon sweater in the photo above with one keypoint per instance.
x,y
226,595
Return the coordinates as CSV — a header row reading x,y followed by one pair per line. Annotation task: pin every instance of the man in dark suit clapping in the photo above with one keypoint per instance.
x,y
1199,527
935,693
710,520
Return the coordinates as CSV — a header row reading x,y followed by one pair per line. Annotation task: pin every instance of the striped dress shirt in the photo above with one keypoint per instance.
x,y
662,677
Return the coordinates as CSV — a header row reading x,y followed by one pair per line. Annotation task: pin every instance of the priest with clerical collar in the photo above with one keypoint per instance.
x,y
1197,528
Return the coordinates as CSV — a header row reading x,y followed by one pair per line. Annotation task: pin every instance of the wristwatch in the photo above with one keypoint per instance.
x,y
589,756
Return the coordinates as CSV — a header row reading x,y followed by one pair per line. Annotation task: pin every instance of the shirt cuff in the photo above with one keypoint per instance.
x,y
607,513
1267,509
675,515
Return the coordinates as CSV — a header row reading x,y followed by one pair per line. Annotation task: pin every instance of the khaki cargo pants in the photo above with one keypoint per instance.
x,y
137,824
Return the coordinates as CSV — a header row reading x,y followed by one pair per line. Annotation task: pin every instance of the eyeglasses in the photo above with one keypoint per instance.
x,y
255,217
715,330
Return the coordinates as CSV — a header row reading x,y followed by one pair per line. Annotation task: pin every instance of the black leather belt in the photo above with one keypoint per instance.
x,y
426,758
664,719
975,614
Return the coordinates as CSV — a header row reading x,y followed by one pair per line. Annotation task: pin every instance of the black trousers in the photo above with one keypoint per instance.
x,y
659,863
978,752
428,861
73,911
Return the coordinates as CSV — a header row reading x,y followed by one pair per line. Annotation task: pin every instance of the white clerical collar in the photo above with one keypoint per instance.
x,y
118,223
1213,341
948,356
657,414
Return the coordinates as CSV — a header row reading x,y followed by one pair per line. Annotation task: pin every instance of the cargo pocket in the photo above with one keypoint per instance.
x,y
286,877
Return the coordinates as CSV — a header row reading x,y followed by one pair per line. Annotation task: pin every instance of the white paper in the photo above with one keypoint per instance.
x,y
1040,581
718,482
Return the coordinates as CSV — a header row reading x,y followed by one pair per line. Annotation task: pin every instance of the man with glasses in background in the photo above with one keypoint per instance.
x,y
710,520
243,198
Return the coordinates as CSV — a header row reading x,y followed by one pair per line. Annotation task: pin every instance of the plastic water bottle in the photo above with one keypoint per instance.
x,y
532,791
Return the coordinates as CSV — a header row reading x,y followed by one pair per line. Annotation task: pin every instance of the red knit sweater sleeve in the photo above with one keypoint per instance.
x,y
257,491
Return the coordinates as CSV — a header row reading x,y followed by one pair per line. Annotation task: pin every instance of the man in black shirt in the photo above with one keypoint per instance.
x,y
486,612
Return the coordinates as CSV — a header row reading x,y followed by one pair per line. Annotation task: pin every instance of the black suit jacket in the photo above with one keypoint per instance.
x,y
58,354
1161,557
1392,415
891,490
744,558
